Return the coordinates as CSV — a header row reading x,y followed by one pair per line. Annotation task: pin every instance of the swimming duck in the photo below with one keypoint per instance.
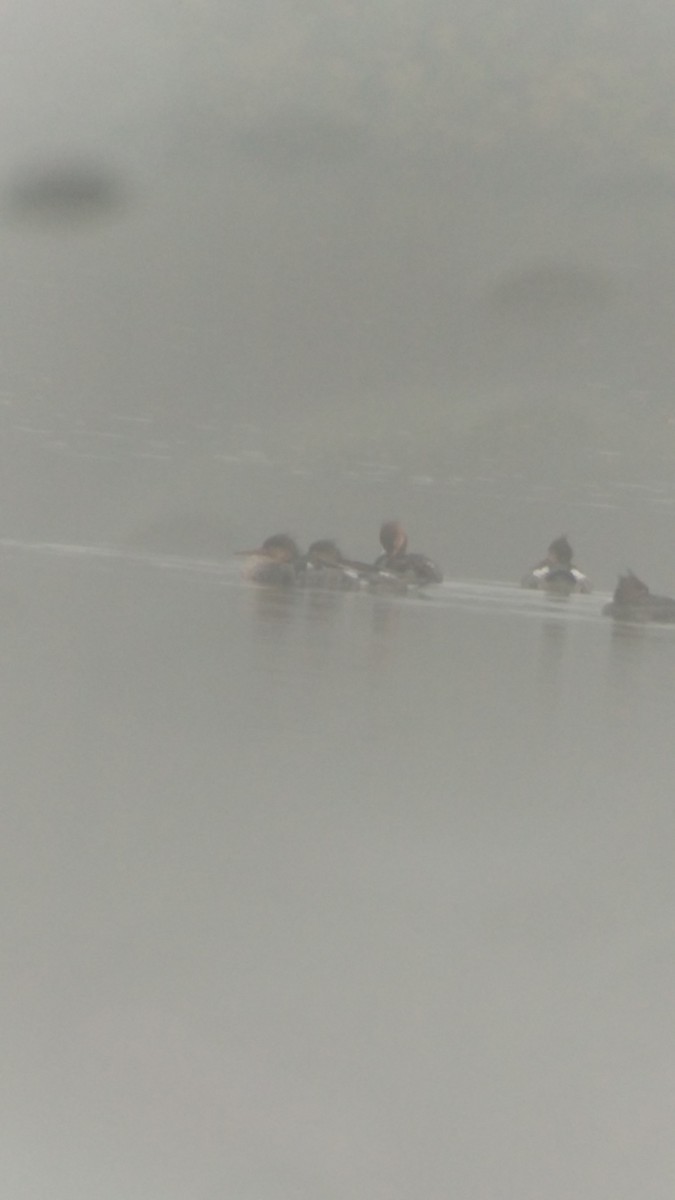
x,y
324,566
276,563
415,569
556,573
633,601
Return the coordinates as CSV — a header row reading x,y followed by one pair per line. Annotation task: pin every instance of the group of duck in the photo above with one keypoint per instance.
x,y
632,599
279,563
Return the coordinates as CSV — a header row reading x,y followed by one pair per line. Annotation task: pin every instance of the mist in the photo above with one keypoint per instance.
x,y
335,896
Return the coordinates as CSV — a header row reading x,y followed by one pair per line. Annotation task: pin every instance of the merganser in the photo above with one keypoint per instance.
x,y
556,573
276,563
633,601
324,566
415,569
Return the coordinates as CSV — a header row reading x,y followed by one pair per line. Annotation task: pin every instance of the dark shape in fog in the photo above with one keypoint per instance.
x,y
276,563
548,290
416,569
64,192
633,601
556,573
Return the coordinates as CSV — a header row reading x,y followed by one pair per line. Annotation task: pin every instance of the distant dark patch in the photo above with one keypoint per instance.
x,y
293,139
549,290
64,193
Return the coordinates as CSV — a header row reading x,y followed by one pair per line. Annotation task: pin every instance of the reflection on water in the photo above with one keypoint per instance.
x,y
550,659
315,894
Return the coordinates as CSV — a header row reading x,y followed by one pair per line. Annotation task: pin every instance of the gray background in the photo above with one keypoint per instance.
x,y
334,896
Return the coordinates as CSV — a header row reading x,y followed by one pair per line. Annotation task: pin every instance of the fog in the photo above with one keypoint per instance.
x,y
356,223
341,897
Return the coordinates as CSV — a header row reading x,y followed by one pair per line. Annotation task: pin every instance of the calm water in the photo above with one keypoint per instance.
x,y
331,896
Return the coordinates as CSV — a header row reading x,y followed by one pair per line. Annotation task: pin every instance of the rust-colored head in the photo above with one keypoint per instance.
x,y
393,538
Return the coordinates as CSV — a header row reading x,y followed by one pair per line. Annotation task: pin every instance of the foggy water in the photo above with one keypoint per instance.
x,y
331,895
319,896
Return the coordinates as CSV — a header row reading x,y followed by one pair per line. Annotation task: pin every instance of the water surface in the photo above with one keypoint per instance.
x,y
331,895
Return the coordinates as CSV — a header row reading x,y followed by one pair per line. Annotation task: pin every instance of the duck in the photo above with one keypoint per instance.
x,y
414,569
324,566
275,564
633,601
556,573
